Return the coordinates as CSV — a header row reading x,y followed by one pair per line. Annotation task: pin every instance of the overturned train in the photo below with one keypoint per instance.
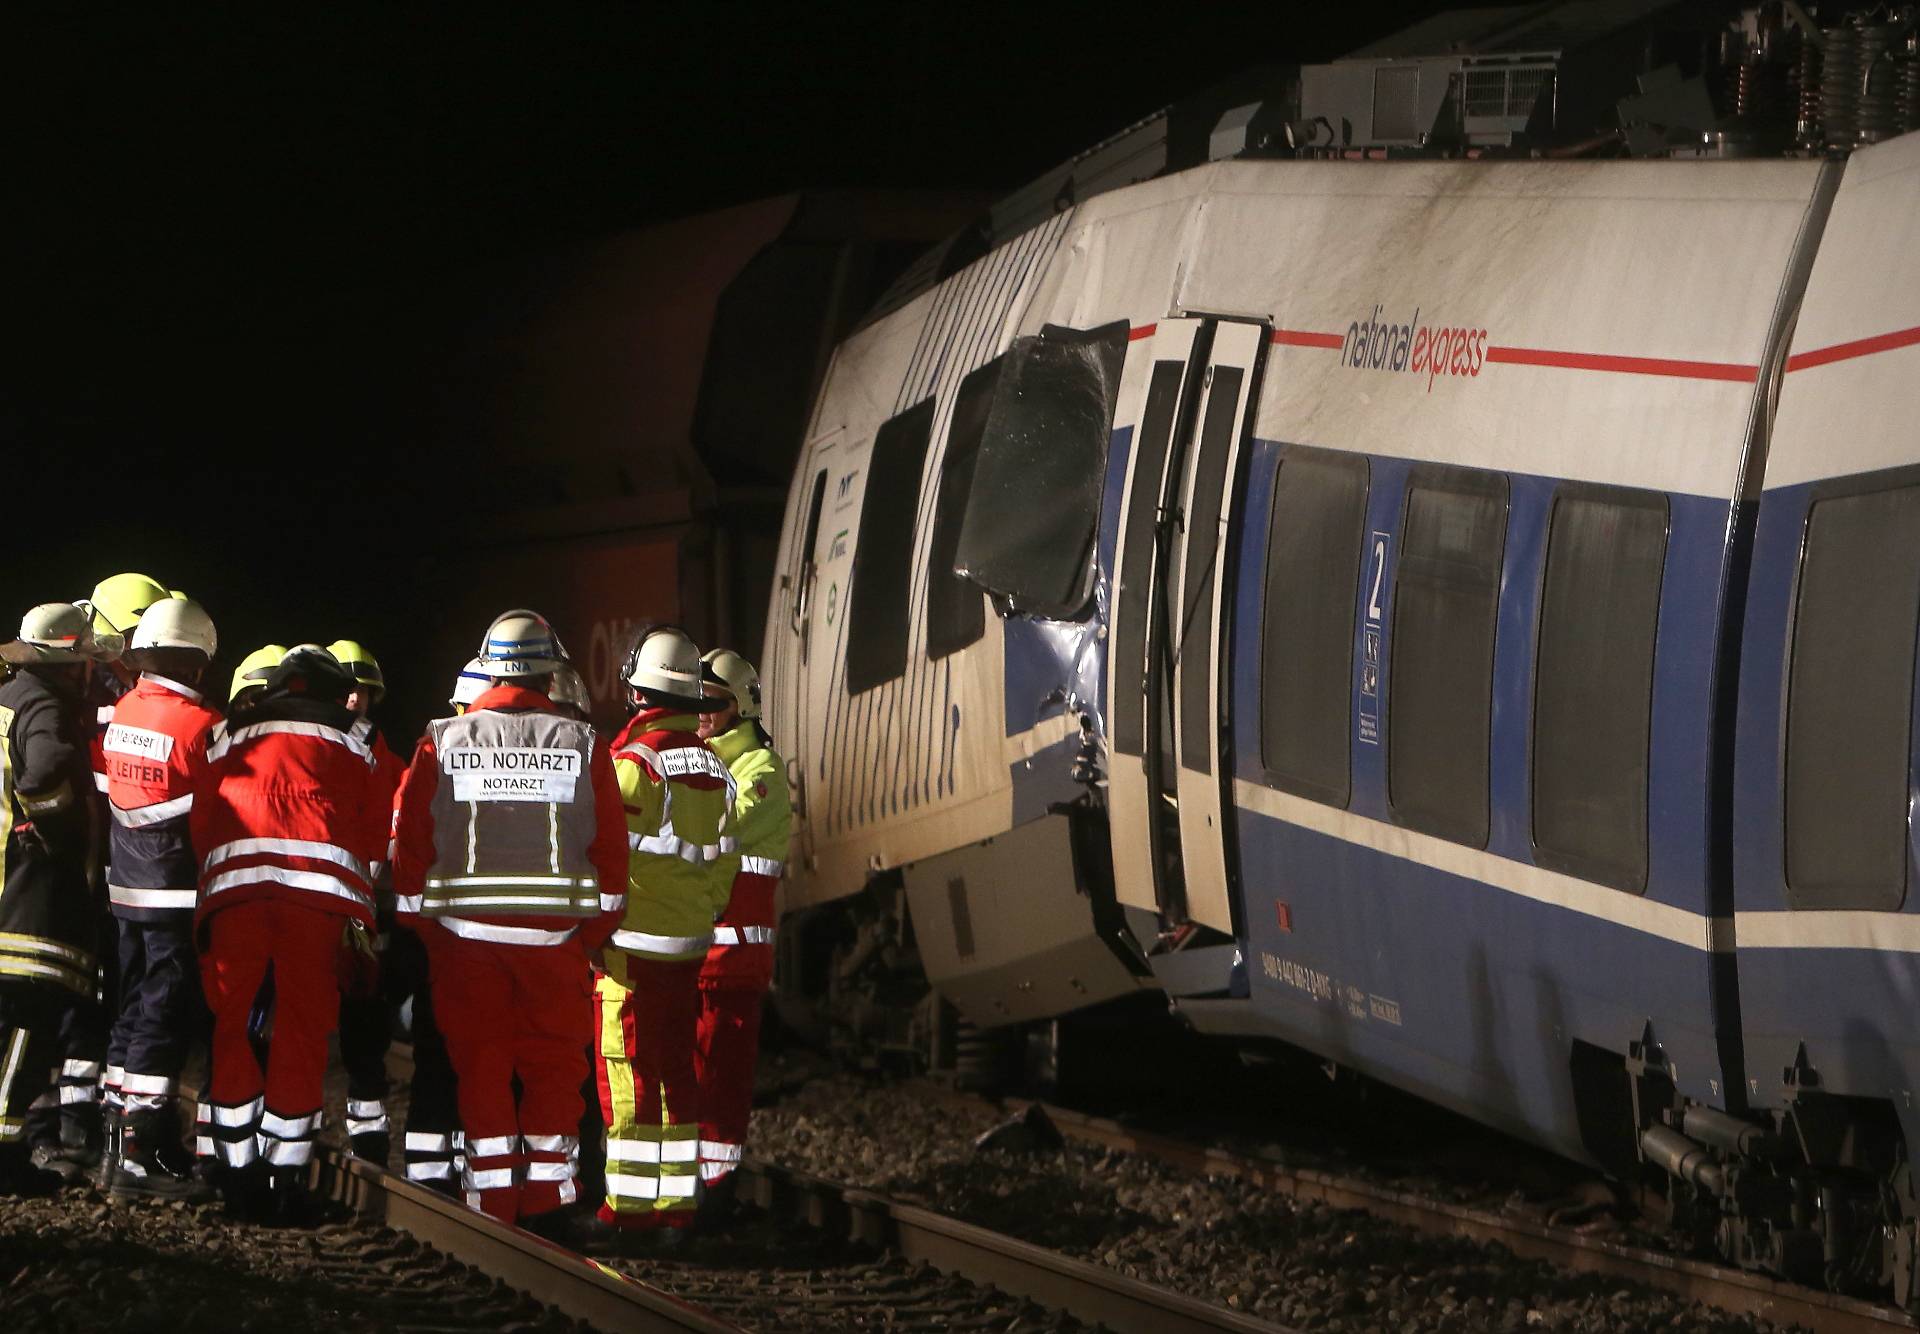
x,y
1457,618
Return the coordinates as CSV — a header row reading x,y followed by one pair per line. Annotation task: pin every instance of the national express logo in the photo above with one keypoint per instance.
x,y
1432,350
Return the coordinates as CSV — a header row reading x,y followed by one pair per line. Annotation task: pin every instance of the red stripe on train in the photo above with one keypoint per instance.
x,y
1601,361
1303,338
1859,347
1732,372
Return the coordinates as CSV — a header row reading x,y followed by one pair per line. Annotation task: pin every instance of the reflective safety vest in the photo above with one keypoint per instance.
x,y
513,818
154,751
678,797
762,827
288,809
762,811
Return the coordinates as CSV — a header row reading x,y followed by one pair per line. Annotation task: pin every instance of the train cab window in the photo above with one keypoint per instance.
x,y
1039,473
1446,601
883,557
1850,701
1593,683
1315,539
956,609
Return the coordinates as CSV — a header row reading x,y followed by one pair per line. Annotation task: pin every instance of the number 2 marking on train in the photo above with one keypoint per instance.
x,y
1379,573
1367,716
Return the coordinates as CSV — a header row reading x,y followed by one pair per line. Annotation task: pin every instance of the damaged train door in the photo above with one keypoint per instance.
x,y
1170,772
797,639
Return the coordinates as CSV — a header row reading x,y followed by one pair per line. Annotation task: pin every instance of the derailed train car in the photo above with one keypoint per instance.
x,y
1458,618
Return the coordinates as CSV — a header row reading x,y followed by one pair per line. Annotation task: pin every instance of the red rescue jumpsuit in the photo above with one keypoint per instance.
x,y
287,821
739,966
510,863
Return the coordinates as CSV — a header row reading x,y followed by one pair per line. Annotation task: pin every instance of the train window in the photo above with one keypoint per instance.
x,y
1850,701
1034,511
1315,539
956,611
1446,602
883,558
1593,683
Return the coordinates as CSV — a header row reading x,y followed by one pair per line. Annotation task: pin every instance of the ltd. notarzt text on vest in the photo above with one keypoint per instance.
x,y
513,816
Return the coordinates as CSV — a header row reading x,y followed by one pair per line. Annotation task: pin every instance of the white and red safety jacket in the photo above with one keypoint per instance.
x,y
498,843
154,750
290,808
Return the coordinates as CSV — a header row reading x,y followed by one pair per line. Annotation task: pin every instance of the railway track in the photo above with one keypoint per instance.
x,y
1736,1291
873,1262
1088,1292
550,1274
908,1267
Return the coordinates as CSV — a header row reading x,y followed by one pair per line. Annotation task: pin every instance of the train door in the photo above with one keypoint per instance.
x,y
1168,774
808,613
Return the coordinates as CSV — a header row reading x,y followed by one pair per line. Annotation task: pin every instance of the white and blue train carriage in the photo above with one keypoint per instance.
x,y
1456,618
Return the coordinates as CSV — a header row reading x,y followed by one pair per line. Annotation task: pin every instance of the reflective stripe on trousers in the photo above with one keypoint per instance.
x,y
649,1088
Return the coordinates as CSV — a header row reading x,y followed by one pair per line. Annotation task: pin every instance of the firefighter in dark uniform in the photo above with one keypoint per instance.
x,y
48,925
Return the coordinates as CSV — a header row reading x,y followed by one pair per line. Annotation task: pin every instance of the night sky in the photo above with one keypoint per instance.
x,y
242,242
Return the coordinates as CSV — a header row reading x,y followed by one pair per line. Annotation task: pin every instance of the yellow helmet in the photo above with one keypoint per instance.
x,y
254,669
364,666
119,599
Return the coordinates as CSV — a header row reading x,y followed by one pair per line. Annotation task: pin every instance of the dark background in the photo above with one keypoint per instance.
x,y
244,244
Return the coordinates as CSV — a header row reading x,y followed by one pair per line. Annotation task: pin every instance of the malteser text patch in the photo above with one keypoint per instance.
x,y
529,773
141,741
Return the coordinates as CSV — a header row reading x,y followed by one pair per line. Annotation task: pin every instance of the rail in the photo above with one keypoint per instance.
x,y
560,1278
1089,1292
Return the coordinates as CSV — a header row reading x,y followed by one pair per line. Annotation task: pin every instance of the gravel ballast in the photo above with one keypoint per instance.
x,y
77,1261
1300,1263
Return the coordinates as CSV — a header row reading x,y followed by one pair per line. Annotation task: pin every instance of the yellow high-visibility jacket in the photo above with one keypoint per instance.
x,y
678,796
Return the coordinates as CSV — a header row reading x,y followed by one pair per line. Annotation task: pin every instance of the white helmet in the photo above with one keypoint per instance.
x,y
57,632
472,683
569,689
735,675
176,623
663,667
519,643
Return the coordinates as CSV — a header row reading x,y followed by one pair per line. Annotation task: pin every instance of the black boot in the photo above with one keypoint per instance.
x,y
81,1135
19,1176
245,1190
288,1202
46,1157
375,1146
151,1163
112,1118
717,1205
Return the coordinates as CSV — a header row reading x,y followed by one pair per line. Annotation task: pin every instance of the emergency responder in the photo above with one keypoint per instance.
x,y
74,1136
248,685
366,1022
155,753
472,683
49,924
570,693
116,605
288,822
509,862
250,678
677,795
739,966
